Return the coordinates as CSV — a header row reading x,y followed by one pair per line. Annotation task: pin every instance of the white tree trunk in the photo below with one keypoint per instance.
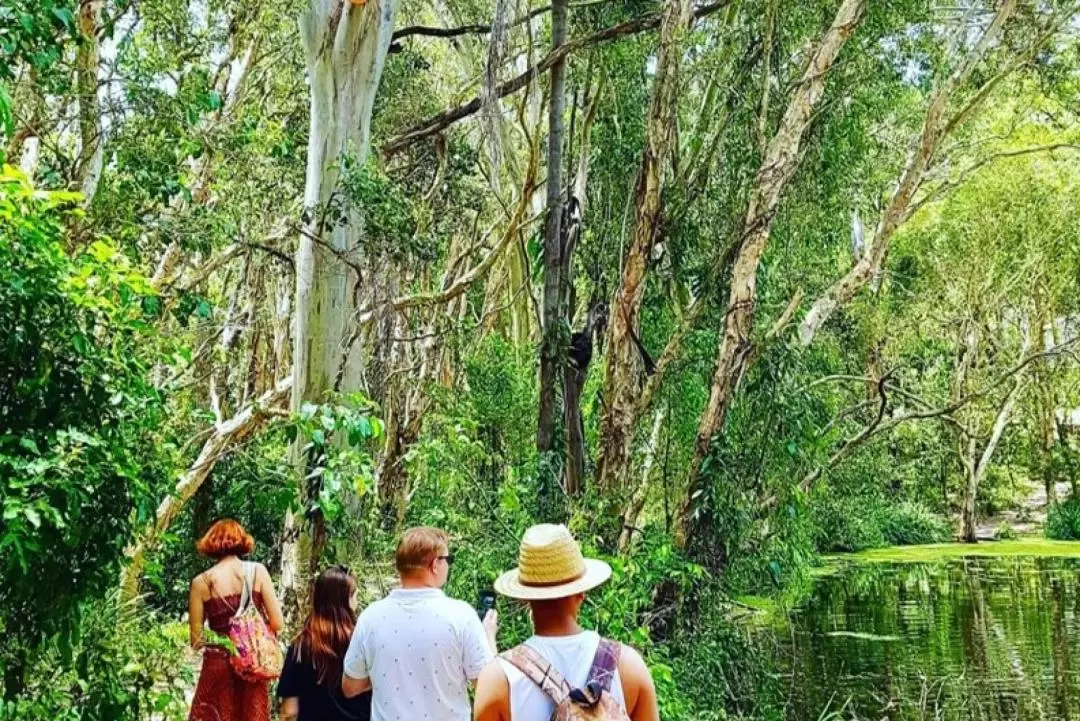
x,y
976,468
346,46
636,505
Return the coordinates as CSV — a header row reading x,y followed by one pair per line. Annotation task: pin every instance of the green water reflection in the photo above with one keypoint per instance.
x,y
977,638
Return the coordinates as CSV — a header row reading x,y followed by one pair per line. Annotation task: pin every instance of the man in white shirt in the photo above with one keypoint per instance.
x,y
561,660
417,649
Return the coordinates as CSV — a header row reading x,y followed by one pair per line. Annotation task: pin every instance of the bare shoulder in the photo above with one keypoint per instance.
x,y
200,588
634,672
263,581
493,676
492,694
639,693
631,662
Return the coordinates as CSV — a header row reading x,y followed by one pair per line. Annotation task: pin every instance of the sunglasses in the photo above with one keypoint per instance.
x,y
449,558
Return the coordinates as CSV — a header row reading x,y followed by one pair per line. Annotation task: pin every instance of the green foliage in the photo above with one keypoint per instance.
x,y
340,436
35,32
911,524
77,418
124,664
1063,520
391,221
855,523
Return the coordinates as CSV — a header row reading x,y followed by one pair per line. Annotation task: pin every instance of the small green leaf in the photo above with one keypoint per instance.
x,y
65,18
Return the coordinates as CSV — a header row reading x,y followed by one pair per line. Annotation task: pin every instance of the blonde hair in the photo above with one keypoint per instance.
x,y
417,548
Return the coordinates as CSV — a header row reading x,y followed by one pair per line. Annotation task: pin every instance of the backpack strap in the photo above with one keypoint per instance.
x,y
538,670
604,664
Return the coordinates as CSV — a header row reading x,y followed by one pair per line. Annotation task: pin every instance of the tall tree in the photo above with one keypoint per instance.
x,y
624,366
782,157
554,341
345,44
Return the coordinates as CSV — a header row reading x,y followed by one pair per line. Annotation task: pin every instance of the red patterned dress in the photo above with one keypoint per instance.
x,y
221,695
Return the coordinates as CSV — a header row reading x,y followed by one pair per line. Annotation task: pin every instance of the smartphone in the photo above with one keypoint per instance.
x,y
486,603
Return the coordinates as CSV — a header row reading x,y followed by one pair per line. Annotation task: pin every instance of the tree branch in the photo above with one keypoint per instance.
x,y
223,438
448,117
476,29
944,412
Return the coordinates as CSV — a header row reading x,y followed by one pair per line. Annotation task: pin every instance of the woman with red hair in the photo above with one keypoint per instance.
x,y
310,686
216,596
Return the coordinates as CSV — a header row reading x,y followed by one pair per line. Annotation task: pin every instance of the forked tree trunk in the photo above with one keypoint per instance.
x,y
345,45
975,467
622,372
779,165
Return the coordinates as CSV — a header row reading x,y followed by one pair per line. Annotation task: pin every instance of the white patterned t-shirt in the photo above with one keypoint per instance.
x,y
420,649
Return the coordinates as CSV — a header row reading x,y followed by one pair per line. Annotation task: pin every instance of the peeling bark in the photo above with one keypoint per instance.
x,y
91,132
623,365
636,504
778,166
345,45
552,346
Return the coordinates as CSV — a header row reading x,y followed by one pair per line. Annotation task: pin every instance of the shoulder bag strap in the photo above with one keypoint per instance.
x,y
538,670
248,591
605,663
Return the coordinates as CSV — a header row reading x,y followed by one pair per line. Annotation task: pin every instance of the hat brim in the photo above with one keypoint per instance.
x,y
509,584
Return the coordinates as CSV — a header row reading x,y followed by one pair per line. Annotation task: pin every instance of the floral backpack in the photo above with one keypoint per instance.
x,y
594,702
257,655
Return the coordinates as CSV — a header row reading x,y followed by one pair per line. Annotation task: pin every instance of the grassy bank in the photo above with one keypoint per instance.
x,y
1032,546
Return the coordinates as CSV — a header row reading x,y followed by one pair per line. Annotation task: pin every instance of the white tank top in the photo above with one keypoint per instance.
x,y
572,656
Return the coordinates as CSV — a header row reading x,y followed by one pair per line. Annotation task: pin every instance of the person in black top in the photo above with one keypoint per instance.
x,y
310,684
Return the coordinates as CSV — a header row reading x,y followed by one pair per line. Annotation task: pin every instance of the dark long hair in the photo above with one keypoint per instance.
x,y
328,628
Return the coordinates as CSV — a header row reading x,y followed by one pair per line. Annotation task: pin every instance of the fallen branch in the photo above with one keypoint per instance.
x,y
223,438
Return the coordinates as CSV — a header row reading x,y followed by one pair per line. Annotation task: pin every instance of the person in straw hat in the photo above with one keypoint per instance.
x,y
553,577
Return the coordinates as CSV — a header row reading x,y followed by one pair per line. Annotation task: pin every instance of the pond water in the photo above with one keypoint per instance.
x,y
975,638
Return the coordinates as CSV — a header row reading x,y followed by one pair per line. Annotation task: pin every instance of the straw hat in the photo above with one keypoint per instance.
x,y
550,565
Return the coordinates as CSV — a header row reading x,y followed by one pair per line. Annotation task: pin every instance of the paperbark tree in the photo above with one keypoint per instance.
x,y
623,365
937,125
553,344
345,45
778,166
91,131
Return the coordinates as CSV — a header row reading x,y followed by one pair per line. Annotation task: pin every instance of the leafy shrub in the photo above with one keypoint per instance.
x,y
125,664
79,456
1063,520
843,524
854,523
910,524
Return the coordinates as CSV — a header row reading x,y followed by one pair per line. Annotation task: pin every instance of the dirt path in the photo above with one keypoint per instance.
x,y
1026,520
